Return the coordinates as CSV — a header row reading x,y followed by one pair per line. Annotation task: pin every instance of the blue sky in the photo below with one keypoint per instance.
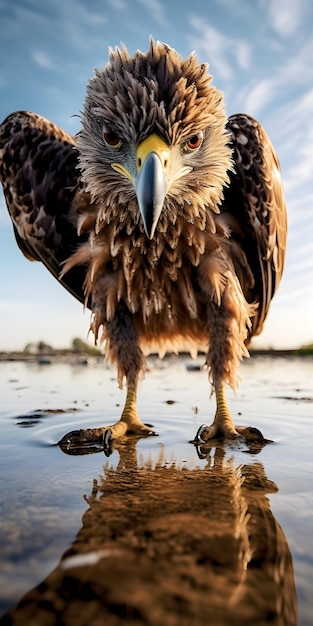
x,y
260,54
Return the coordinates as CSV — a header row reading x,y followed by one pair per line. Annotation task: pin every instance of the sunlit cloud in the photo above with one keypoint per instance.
x,y
286,17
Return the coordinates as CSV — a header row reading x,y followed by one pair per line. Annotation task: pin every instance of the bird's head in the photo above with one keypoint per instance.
x,y
153,139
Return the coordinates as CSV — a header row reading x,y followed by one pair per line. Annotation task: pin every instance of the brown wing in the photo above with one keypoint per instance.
x,y
43,192
256,204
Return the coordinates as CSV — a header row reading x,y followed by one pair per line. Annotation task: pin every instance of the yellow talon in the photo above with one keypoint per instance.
x,y
223,425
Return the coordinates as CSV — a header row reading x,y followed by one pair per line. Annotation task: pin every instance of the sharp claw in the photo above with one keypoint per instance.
x,y
77,442
251,434
74,444
198,439
150,433
200,454
107,442
74,436
256,433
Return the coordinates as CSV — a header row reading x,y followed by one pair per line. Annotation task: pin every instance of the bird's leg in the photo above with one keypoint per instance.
x,y
223,424
130,418
225,351
129,423
124,350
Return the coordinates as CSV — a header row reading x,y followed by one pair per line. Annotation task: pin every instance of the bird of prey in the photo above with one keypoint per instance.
x,y
163,216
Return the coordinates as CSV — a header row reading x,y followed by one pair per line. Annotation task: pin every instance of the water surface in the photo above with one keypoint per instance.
x,y
223,533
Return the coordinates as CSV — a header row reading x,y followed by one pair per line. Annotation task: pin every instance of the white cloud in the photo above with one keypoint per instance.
x,y
242,52
219,49
155,8
297,69
76,22
286,17
42,59
258,96
118,5
305,103
279,83
303,167
294,136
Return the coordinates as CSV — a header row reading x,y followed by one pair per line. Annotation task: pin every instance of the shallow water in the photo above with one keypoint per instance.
x,y
258,493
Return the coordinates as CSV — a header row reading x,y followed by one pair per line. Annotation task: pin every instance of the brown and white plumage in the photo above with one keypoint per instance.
x,y
166,218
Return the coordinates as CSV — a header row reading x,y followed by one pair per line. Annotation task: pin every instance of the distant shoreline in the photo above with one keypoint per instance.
x,y
83,358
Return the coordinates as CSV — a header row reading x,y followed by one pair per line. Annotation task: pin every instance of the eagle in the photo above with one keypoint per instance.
x,y
163,216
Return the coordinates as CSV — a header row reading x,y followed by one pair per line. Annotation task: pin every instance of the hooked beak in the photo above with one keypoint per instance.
x,y
152,181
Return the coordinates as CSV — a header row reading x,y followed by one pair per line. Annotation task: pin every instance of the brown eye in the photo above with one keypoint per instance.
x,y
194,142
111,139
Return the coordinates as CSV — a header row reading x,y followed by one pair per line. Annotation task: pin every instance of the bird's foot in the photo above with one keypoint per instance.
x,y
223,426
214,436
101,439
86,441
226,431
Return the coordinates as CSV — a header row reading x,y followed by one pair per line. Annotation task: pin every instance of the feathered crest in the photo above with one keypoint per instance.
x,y
157,91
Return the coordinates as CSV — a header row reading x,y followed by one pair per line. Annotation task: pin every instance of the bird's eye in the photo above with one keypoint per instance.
x,y
111,139
194,142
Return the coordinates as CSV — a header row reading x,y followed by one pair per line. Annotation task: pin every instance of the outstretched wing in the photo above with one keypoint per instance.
x,y
256,204
43,192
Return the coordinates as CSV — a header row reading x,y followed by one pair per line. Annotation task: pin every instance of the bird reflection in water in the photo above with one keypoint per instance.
x,y
162,544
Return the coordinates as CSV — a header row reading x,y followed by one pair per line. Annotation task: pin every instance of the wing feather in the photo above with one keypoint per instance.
x,y
44,194
45,198
255,206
